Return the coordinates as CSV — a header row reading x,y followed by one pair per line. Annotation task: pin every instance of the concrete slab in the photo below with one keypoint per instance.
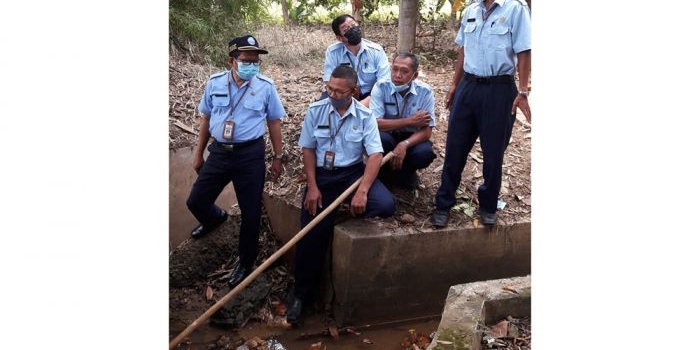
x,y
182,177
379,275
470,306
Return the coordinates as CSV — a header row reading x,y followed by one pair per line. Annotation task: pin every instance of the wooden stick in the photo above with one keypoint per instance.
x,y
205,316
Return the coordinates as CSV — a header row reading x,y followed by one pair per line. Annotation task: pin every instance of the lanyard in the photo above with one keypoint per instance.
x,y
334,134
405,102
228,86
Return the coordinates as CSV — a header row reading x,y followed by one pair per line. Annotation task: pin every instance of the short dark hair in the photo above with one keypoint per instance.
x,y
415,62
338,21
345,72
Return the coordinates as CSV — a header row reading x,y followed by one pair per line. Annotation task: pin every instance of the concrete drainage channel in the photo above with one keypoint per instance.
x,y
381,276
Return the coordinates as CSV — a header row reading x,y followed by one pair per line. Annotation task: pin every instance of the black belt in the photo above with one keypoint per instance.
x,y
489,80
236,145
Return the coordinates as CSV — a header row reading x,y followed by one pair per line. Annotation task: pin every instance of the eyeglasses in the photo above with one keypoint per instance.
x,y
335,92
248,63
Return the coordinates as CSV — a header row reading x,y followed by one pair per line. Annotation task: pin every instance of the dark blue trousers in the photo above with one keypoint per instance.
x,y
479,110
418,156
245,168
311,249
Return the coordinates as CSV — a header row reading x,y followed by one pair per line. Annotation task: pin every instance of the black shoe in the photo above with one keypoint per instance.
x,y
238,275
488,218
201,230
440,218
294,311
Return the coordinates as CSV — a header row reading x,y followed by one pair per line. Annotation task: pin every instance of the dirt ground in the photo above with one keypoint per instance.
x,y
298,87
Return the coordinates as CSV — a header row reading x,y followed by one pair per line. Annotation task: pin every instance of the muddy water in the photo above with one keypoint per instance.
x,y
387,336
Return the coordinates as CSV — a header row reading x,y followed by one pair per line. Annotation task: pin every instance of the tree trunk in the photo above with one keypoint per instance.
x,y
285,12
408,21
357,10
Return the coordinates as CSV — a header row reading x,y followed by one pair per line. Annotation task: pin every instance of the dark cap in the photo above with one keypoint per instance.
x,y
244,43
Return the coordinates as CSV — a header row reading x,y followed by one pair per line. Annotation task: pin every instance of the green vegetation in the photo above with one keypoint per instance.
x,y
202,29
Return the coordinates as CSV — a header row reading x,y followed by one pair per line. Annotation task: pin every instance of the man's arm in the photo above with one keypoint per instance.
x,y
275,129
313,199
359,200
459,73
523,81
202,140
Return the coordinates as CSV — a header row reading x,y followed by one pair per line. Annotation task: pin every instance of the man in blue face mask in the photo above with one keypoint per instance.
x,y
335,134
236,107
405,112
367,58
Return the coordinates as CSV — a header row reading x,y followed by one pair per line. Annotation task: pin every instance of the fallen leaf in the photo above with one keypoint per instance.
x,y
445,342
500,329
510,289
209,293
280,309
367,341
316,346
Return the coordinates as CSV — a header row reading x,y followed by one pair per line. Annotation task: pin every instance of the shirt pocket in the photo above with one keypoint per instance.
x,y
391,110
353,142
499,36
368,72
469,34
253,104
220,99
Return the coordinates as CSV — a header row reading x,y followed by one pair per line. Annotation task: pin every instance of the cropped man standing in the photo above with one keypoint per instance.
x,y
367,58
405,112
495,38
235,106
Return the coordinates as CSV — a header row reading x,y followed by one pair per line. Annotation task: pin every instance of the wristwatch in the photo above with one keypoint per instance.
x,y
523,93
279,156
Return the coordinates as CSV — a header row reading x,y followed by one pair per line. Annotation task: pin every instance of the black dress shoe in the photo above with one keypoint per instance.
x,y
488,218
201,230
440,218
238,275
294,311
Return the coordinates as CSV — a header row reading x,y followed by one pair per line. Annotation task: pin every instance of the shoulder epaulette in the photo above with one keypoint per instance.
x,y
335,46
321,102
267,79
216,75
373,45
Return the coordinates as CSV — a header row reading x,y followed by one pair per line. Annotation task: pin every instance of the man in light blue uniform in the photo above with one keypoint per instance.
x,y
405,112
235,106
495,36
335,133
367,58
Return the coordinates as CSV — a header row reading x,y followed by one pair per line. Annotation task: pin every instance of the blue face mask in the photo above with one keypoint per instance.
x,y
343,102
399,88
247,72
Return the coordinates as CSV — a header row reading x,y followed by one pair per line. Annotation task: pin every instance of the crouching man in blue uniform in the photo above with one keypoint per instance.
x,y
405,112
236,105
335,133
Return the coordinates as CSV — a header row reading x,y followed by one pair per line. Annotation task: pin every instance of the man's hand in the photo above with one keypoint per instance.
x,y
419,119
449,96
523,104
399,155
276,169
313,200
358,203
197,163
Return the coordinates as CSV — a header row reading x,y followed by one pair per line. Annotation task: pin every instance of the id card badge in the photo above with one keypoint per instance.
x,y
228,130
328,160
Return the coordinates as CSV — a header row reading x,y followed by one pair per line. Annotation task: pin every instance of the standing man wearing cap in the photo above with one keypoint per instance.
x,y
405,112
335,134
495,36
235,106
367,58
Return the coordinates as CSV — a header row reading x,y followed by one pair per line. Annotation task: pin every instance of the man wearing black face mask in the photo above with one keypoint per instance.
x,y
367,58
335,133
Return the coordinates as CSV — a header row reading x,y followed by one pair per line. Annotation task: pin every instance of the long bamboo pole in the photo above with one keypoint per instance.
x,y
205,316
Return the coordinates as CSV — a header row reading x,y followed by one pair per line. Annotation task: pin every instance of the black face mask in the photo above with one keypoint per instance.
x,y
354,35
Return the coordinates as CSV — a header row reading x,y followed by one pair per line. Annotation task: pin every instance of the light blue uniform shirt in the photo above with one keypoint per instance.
x,y
371,63
490,46
358,131
388,104
260,103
